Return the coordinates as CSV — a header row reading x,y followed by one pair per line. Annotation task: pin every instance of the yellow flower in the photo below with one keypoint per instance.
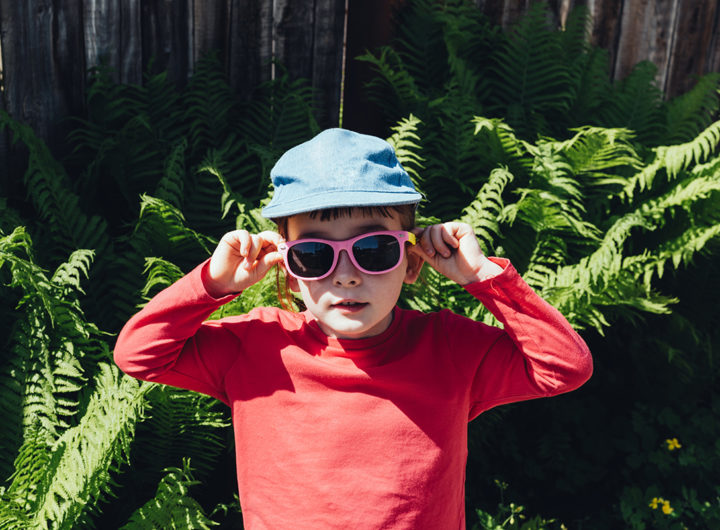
x,y
672,444
659,502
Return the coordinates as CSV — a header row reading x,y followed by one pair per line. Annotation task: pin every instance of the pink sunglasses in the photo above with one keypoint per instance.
x,y
371,253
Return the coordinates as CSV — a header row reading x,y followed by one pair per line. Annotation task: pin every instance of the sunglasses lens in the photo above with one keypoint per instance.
x,y
377,253
310,259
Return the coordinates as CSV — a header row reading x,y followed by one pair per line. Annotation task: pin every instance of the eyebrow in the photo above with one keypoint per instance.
x,y
364,229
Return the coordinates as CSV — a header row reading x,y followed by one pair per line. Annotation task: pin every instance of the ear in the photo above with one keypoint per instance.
x,y
414,266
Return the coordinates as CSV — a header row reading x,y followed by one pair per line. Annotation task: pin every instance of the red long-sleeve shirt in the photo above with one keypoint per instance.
x,y
365,433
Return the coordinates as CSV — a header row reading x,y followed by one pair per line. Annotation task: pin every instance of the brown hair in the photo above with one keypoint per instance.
x,y
405,212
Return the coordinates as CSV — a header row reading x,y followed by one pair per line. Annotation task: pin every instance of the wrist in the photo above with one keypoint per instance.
x,y
486,269
212,287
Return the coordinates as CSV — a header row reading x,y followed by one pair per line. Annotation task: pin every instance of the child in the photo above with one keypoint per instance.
x,y
353,413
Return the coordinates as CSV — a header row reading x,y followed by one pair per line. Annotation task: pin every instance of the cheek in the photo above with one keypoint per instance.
x,y
310,291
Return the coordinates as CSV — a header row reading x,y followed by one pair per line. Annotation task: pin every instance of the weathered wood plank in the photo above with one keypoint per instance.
x,y
646,35
503,12
368,26
31,92
165,38
691,50
250,44
68,55
293,35
328,52
606,20
713,63
113,33
209,28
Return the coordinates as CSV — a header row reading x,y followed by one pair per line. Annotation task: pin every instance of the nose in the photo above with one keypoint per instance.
x,y
345,273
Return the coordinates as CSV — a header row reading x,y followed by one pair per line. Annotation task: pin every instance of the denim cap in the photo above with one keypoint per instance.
x,y
338,168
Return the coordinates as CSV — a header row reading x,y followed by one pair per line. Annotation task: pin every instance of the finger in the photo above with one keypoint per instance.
x,y
254,249
268,260
438,240
244,242
272,238
450,234
418,250
425,241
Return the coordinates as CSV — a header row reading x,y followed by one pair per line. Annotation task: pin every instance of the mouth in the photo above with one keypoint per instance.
x,y
349,305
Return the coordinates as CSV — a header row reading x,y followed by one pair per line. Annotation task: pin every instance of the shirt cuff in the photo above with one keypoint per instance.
x,y
508,273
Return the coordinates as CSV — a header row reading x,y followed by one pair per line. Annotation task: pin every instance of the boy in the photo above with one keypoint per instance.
x,y
353,413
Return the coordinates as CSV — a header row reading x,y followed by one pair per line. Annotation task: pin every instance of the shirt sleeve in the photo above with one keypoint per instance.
x,y
162,342
537,354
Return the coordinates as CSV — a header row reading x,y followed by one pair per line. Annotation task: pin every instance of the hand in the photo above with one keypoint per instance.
x,y
453,250
240,260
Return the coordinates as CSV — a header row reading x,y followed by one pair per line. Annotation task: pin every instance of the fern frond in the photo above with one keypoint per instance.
x,y
280,116
159,217
601,278
171,186
236,171
180,424
421,47
209,102
51,345
160,274
635,104
690,113
674,159
594,150
50,190
531,79
406,144
393,89
483,213
85,455
455,161
172,507
502,144
545,210
549,253
31,462
679,251
69,274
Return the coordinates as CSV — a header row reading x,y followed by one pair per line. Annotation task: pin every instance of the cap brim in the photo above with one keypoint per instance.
x,y
339,199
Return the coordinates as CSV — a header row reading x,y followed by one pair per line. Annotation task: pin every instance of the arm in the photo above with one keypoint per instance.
x,y
162,342
538,354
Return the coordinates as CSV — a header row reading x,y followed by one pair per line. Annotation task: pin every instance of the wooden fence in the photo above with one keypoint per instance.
x,y
47,46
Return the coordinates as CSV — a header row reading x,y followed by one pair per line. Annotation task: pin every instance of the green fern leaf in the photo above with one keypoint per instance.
x,y
406,144
84,455
690,113
484,213
171,508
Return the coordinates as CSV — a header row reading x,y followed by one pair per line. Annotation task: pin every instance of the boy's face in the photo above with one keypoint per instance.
x,y
372,297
